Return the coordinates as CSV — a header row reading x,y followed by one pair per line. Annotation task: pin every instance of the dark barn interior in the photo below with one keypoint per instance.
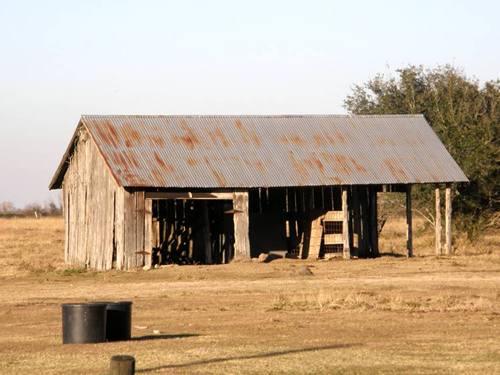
x,y
294,222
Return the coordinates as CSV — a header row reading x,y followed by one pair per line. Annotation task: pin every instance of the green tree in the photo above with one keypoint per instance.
x,y
463,113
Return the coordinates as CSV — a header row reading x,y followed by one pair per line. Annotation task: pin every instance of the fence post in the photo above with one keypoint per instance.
x,y
122,365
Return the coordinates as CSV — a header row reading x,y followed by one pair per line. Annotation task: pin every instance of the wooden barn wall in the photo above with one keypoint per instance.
x,y
93,218
132,254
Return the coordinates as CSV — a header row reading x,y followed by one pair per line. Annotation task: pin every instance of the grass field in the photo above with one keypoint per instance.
x,y
424,315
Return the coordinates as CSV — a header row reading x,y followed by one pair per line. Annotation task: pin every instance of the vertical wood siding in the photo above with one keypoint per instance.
x,y
133,226
92,220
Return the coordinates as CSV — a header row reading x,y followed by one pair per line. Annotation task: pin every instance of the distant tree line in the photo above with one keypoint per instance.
x,y
464,114
37,210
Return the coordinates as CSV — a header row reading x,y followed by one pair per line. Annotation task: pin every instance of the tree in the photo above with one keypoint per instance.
x,y
7,207
466,117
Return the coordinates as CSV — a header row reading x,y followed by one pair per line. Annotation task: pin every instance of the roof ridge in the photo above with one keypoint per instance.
x,y
256,116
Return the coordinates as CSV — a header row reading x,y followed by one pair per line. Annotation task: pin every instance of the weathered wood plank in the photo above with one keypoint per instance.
x,y
205,225
241,225
130,256
315,238
437,226
356,219
119,229
365,222
148,232
345,224
373,222
140,217
448,248
189,195
409,225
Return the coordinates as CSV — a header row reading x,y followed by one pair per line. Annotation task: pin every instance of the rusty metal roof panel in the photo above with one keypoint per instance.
x,y
267,151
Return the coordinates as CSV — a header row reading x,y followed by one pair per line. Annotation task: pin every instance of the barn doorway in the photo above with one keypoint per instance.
x,y
192,231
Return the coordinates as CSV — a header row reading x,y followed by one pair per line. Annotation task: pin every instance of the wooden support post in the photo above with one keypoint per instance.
x,y
122,365
148,233
345,224
373,222
448,219
241,225
365,221
409,229
356,213
139,227
205,230
438,220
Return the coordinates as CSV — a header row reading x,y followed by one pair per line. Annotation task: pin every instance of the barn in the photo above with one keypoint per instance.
x,y
145,190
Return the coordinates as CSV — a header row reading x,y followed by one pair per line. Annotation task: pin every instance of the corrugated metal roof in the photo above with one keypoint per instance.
x,y
270,151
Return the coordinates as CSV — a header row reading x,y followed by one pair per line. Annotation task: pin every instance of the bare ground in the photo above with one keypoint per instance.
x,y
389,315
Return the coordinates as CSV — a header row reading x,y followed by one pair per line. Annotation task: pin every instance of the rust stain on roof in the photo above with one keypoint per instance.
x,y
189,138
396,170
218,176
292,139
340,137
166,167
380,140
299,167
336,180
158,176
319,140
191,162
158,141
108,134
218,137
124,160
248,136
259,166
358,166
340,163
130,135
318,164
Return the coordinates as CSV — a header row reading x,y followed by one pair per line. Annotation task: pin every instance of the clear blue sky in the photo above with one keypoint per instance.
x,y
59,59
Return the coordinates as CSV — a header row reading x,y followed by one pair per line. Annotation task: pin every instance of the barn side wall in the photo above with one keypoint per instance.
x,y
92,209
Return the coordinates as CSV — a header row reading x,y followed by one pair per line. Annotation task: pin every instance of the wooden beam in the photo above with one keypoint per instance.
x,y
409,229
205,230
148,232
365,221
356,218
448,219
437,223
130,256
314,234
373,222
345,224
119,229
189,195
140,223
241,226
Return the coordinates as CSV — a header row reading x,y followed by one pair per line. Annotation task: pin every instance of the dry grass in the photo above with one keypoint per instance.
x,y
365,301
426,315
31,245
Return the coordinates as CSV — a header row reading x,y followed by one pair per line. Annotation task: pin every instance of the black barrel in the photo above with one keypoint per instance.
x,y
119,321
84,322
